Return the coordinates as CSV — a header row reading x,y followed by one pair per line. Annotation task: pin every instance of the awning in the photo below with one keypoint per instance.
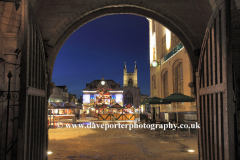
x,y
117,106
62,105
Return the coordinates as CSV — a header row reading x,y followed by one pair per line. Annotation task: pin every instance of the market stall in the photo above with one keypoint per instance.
x,y
61,110
116,111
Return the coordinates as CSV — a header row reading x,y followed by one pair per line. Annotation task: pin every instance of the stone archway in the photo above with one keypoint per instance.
x,y
189,34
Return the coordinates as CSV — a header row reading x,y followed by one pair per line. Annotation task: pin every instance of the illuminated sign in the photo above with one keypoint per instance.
x,y
119,98
86,98
175,50
129,106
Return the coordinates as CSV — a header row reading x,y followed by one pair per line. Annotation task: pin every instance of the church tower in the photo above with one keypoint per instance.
x,y
130,79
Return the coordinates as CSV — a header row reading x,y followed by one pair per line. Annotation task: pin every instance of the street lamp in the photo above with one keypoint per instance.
x,y
155,63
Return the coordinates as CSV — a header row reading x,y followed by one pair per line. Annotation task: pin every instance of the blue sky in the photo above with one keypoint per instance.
x,y
100,47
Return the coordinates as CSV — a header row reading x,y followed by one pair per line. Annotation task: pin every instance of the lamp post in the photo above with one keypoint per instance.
x,y
155,63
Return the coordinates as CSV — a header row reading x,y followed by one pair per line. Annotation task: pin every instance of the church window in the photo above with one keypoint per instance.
x,y
128,98
130,82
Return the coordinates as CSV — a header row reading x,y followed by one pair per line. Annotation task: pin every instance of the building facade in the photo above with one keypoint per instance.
x,y
170,70
102,91
60,94
65,93
72,98
131,91
143,107
57,95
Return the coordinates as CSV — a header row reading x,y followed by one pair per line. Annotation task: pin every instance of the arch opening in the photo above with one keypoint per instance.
x,y
128,97
54,44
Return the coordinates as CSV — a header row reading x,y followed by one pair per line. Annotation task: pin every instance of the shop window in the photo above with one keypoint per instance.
x,y
128,98
113,96
91,96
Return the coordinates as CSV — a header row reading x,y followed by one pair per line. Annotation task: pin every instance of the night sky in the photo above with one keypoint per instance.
x,y
100,47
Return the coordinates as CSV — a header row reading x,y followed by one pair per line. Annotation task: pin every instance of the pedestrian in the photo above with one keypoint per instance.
x,y
84,115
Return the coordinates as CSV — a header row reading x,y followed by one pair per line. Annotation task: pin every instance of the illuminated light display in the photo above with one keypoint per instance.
x,y
129,106
91,96
90,91
86,98
116,91
119,98
102,82
100,93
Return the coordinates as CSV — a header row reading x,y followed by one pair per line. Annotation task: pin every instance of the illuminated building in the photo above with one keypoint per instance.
x,y
170,72
60,94
131,91
107,92
102,91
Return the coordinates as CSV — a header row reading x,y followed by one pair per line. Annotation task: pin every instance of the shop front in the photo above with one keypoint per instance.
x,y
60,110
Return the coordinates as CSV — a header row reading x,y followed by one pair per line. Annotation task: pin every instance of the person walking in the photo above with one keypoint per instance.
x,y
84,115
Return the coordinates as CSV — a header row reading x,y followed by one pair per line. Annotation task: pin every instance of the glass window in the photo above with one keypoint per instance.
x,y
113,96
165,84
154,82
179,79
130,82
128,98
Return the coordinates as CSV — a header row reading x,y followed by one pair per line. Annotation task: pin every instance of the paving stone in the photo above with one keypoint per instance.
x,y
77,143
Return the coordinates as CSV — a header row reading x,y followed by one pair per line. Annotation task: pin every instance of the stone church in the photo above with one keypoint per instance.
x,y
131,91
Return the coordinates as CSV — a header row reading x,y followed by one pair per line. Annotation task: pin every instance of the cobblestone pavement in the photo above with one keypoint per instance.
x,y
122,144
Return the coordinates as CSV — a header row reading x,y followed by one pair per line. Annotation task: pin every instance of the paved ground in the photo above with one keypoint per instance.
x,y
80,143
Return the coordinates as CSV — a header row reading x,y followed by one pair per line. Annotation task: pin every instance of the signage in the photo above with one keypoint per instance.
x,y
129,106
